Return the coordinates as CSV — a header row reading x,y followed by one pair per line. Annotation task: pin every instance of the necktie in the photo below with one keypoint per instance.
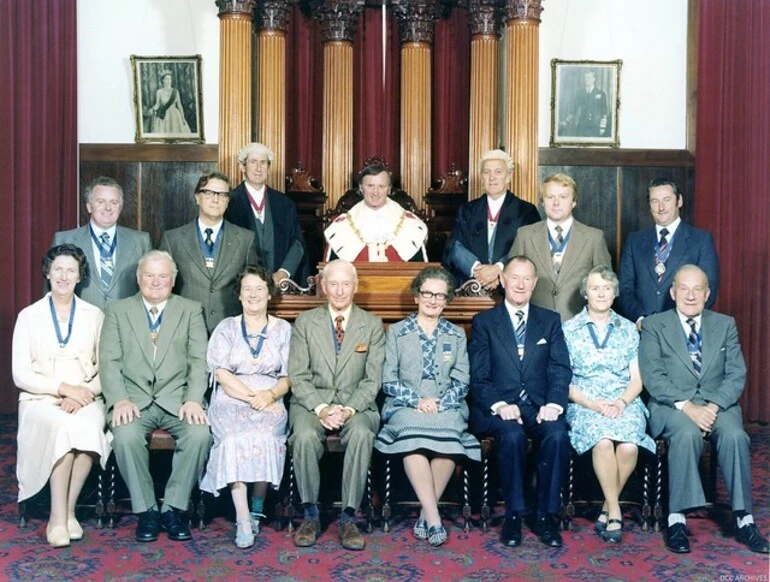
x,y
154,334
693,346
209,241
520,331
661,250
339,332
105,259
556,258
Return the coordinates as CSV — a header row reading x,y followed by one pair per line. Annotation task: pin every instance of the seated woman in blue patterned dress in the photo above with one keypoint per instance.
x,y
425,378
248,355
605,412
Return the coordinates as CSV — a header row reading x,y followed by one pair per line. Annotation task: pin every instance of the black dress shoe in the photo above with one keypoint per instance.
x,y
548,532
676,539
176,525
750,537
510,535
148,528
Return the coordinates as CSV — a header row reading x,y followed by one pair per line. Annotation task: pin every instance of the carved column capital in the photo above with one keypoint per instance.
x,y
236,7
523,9
415,19
339,19
273,15
485,17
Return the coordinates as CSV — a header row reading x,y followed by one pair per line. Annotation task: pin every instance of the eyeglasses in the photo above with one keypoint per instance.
x,y
431,295
214,194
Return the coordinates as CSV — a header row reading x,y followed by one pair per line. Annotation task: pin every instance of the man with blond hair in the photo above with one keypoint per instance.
x,y
486,227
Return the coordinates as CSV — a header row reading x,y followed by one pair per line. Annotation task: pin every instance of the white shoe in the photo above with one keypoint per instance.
x,y
74,528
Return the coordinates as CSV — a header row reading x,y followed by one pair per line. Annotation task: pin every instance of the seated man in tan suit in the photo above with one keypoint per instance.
x,y
335,367
562,248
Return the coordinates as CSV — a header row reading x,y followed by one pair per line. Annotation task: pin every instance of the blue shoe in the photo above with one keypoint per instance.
x,y
255,518
437,535
420,530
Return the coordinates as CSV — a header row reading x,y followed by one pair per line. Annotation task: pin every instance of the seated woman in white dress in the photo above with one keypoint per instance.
x,y
605,413
425,417
248,355
62,427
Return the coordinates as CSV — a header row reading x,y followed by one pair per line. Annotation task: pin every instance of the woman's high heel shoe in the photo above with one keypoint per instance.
x,y
613,535
57,536
74,529
600,524
244,537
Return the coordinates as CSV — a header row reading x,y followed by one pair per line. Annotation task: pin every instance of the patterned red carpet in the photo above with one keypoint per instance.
x,y
112,554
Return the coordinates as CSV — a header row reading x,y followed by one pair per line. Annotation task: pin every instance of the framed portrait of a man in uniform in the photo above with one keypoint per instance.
x,y
585,99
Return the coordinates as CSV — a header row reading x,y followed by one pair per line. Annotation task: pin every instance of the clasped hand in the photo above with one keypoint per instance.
x,y
488,276
333,417
261,400
610,409
703,416
80,394
428,405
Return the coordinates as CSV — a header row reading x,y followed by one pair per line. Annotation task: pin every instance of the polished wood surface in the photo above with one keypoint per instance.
x,y
271,100
485,63
337,161
416,119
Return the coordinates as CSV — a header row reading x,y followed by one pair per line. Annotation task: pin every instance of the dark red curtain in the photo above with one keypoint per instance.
x,y
451,93
376,104
732,177
38,152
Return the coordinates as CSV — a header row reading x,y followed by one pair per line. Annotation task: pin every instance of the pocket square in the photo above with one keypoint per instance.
x,y
361,348
541,342
722,349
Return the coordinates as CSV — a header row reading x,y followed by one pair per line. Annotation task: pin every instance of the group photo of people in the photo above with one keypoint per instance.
x,y
572,358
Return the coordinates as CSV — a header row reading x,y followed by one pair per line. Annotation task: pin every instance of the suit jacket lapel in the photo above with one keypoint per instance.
x,y
709,348
193,247
534,335
171,319
649,241
86,244
543,251
352,338
673,332
137,319
121,256
323,331
504,329
575,247
225,253
676,258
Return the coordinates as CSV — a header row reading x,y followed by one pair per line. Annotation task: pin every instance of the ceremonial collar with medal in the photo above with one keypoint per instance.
x,y
154,325
662,256
251,340
63,341
208,255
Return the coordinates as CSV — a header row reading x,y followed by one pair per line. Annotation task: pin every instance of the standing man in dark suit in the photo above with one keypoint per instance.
x,y
279,243
520,375
152,364
486,227
590,112
210,252
112,251
335,367
692,366
563,249
652,256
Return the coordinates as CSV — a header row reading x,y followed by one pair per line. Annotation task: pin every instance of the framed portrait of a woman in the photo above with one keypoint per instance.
x,y
168,99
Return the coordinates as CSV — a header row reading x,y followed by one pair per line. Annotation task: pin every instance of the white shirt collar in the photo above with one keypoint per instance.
x,y
333,313
565,227
671,228
512,312
160,306
495,205
98,230
256,194
215,229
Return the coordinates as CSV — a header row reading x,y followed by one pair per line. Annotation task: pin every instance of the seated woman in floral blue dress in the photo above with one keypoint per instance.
x,y
605,413
425,378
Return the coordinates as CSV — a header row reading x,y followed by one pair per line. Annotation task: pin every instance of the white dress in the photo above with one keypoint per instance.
x,y
46,432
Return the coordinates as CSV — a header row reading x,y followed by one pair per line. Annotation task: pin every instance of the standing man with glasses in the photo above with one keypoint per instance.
x,y
520,376
652,256
271,215
112,251
210,252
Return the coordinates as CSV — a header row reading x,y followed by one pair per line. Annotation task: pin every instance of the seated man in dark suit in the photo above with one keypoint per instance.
x,y
152,364
210,252
271,215
377,229
335,367
112,251
520,376
692,366
652,256
486,227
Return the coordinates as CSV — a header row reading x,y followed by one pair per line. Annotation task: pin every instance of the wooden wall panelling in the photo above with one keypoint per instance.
x,y
167,195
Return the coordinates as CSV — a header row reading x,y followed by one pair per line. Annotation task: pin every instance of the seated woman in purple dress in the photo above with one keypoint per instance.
x,y
248,355
605,413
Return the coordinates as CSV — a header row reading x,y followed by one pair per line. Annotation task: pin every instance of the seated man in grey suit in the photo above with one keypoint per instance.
x,y
693,368
112,251
209,252
562,248
335,367
152,363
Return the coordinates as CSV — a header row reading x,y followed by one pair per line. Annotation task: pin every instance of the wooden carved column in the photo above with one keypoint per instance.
x,y
415,31
272,19
235,22
484,21
338,25
522,30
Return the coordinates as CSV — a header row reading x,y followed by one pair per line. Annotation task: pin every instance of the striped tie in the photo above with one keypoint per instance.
x,y
694,346
521,332
554,258
105,260
662,246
